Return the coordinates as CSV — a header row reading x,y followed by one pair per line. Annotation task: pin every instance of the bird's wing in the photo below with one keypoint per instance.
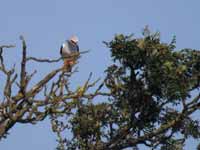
x,y
65,49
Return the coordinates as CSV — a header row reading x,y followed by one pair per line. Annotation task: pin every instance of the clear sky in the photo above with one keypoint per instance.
x,y
45,24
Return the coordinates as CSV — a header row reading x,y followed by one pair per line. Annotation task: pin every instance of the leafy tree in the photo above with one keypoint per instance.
x,y
148,97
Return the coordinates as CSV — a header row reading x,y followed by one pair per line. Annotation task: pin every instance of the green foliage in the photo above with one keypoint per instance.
x,y
173,144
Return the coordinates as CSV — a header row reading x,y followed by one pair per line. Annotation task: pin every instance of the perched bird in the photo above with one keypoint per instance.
x,y
68,51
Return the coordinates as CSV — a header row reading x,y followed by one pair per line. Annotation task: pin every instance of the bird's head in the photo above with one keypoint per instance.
x,y
74,39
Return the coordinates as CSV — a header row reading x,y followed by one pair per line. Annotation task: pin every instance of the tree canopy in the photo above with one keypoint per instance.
x,y
148,97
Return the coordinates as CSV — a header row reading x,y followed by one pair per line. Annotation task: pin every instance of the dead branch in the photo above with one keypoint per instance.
x,y
23,67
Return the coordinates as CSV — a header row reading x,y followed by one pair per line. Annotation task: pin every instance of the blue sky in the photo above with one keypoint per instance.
x,y
45,24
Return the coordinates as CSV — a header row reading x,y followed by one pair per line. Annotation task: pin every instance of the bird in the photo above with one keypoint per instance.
x,y
68,51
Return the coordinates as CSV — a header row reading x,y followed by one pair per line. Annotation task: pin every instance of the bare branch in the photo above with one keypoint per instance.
x,y
35,89
8,73
2,66
47,60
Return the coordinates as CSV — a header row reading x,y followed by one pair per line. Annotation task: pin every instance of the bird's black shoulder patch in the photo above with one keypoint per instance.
x,y
61,49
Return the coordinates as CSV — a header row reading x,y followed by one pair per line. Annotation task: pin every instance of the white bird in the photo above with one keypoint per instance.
x,y
68,49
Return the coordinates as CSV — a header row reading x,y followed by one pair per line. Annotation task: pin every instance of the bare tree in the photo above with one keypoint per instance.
x,y
24,107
